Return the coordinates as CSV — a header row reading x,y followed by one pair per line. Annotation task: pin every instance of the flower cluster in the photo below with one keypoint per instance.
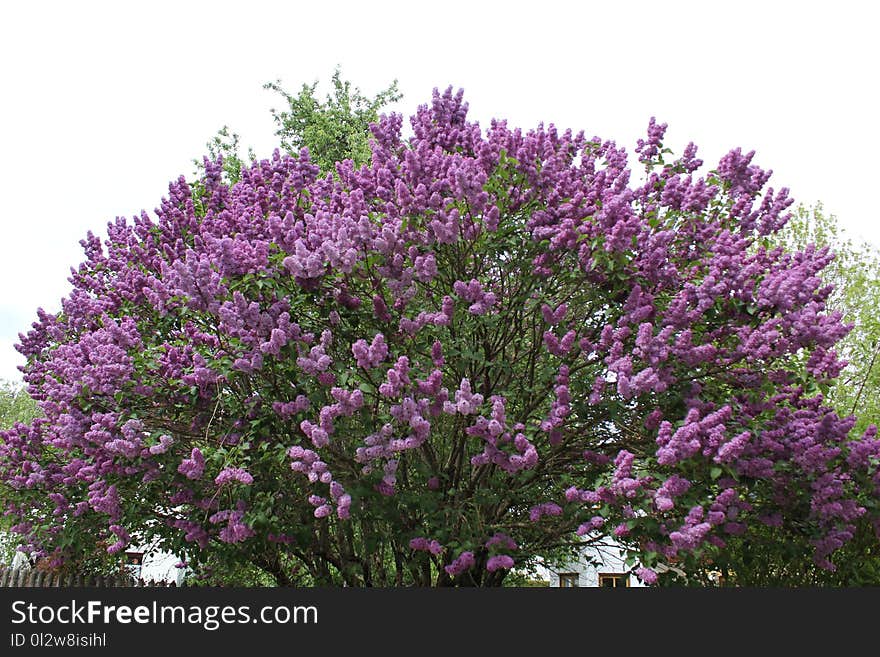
x,y
432,546
461,564
228,475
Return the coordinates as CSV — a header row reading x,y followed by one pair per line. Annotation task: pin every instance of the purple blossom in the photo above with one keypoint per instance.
x,y
499,562
123,541
461,564
481,301
545,509
235,530
466,401
551,316
165,442
423,544
194,466
228,475
397,378
370,356
649,149
502,540
596,522
647,575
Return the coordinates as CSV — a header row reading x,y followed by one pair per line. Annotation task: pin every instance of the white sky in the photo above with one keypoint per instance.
x,y
103,103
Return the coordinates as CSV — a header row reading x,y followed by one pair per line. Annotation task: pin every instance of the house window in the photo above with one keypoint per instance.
x,y
613,580
567,580
133,563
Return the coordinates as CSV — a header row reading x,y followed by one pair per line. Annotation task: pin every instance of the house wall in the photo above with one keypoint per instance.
x,y
594,560
159,566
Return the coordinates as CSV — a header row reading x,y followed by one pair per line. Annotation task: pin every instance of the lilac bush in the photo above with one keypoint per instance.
x,y
472,350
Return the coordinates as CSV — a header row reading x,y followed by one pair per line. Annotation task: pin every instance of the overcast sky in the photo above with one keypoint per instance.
x,y
103,103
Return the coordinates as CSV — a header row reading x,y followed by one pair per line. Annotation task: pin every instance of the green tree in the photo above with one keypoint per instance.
x,y
15,405
334,130
226,145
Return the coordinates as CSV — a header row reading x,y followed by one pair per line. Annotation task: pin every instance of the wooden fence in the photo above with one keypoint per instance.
x,y
32,577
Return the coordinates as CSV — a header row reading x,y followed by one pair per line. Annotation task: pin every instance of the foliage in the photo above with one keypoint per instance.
x,y
334,130
432,368
15,405
225,147
214,571
525,579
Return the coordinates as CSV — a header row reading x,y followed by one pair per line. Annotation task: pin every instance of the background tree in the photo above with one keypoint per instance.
x,y
334,130
464,354
15,405
225,147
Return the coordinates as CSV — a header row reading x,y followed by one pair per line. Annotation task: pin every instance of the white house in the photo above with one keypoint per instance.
x,y
152,565
601,563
